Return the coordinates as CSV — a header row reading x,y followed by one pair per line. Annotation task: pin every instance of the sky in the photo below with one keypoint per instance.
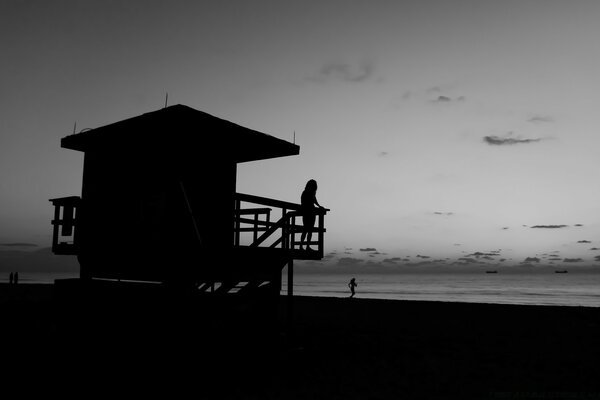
x,y
443,133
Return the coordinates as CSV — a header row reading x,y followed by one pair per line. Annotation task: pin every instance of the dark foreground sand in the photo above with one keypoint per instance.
x,y
340,349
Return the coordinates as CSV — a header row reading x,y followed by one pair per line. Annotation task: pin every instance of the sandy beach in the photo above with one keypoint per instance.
x,y
340,348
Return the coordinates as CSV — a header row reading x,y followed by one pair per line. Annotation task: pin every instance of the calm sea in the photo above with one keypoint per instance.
x,y
540,288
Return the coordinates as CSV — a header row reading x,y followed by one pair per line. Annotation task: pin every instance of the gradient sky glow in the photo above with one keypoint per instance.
x,y
437,128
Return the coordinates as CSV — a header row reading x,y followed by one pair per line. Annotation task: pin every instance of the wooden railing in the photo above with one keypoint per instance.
x,y
65,225
279,234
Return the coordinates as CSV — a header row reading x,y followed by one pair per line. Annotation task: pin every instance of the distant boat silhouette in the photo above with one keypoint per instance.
x,y
564,271
491,272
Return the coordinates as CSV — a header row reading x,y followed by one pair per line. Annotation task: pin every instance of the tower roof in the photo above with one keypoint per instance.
x,y
182,128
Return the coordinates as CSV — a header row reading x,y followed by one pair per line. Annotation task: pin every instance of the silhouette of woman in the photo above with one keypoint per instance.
x,y
307,205
352,285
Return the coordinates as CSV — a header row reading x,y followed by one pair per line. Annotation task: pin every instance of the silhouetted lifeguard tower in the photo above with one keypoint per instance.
x,y
159,204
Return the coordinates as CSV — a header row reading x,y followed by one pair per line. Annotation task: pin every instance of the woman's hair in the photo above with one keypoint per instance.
x,y
311,186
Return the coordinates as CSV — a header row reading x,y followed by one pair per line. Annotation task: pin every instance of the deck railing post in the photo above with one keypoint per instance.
x,y
293,232
321,229
237,223
55,227
284,228
255,226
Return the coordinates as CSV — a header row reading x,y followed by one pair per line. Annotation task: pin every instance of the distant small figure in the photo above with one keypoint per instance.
x,y
10,278
16,278
352,285
307,202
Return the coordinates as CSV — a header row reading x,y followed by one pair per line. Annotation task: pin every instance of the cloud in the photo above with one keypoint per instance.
x,y
549,226
595,248
349,261
19,244
466,260
531,259
578,225
540,118
383,153
343,72
573,260
420,256
507,140
597,258
480,254
392,260
583,241
447,99
368,249
504,228
443,213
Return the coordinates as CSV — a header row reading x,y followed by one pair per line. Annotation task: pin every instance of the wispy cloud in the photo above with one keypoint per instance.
x,y
508,140
481,254
443,213
349,261
344,72
368,249
383,153
573,260
531,259
540,119
583,241
466,260
549,226
447,99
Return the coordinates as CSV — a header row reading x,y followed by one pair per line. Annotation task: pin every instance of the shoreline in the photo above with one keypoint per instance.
x,y
48,285
30,286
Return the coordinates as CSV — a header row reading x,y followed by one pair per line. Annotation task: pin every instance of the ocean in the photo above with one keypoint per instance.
x,y
536,288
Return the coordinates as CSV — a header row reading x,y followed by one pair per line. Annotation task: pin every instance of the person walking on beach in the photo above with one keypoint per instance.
x,y
352,285
308,201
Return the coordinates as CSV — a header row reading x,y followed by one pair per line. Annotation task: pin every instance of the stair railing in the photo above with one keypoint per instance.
x,y
279,234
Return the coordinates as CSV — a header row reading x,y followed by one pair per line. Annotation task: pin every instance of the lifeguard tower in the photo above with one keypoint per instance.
x,y
159,205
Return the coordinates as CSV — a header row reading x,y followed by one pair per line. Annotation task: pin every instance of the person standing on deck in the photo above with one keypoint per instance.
x,y
352,285
308,201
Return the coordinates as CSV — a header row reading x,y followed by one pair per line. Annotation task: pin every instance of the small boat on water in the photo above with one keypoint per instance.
x,y
564,271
